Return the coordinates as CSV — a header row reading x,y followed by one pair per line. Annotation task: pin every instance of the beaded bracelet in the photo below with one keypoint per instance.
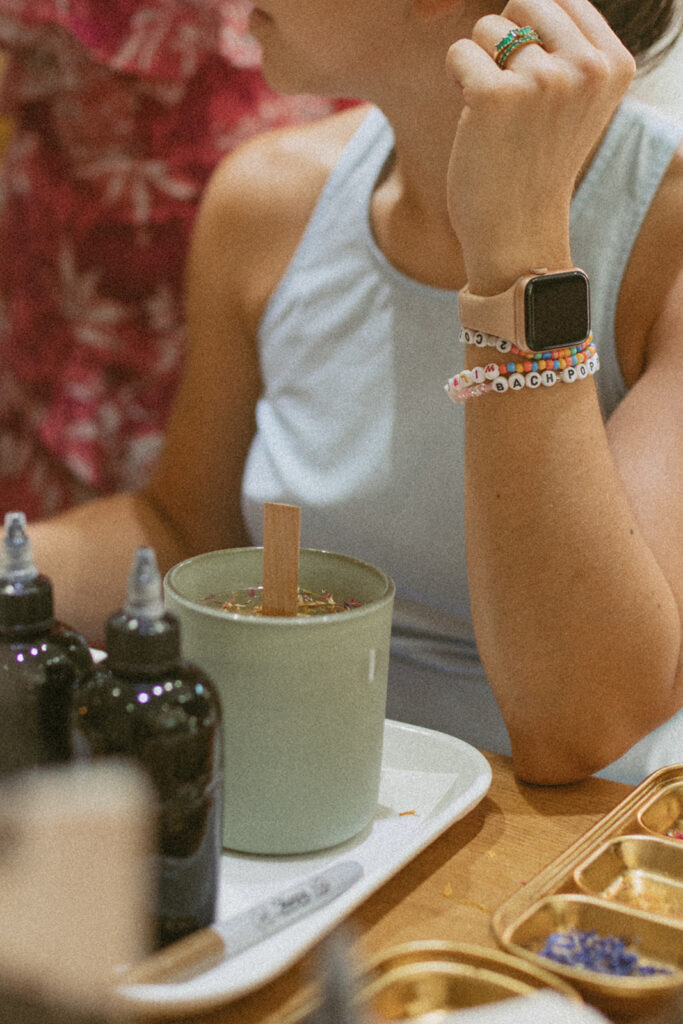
x,y
540,361
491,371
483,340
503,377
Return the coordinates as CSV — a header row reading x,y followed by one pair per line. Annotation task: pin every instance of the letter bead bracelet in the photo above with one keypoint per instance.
x,y
483,340
544,369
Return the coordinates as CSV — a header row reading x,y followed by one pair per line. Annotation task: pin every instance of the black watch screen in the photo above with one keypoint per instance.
x,y
557,310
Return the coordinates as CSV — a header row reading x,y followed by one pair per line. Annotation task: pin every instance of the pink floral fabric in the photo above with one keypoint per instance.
x,y
121,109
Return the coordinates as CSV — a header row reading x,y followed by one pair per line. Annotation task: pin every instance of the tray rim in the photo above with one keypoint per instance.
x,y
650,837
463,953
438,821
652,799
556,878
613,984
550,878
468,952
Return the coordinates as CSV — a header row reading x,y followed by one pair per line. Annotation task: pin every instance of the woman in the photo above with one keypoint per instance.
x,y
323,299
121,110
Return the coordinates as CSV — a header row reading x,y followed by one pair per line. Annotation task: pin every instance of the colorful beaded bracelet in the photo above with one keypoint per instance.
x,y
483,340
503,377
533,365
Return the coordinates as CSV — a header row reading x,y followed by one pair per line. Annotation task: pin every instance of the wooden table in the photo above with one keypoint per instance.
x,y
450,890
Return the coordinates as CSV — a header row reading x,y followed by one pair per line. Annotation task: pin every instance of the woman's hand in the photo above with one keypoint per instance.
x,y
526,132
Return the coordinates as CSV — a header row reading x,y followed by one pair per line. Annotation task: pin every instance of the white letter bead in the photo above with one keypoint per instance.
x,y
480,379
503,345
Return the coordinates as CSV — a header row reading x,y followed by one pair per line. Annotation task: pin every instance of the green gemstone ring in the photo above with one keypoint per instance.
x,y
515,38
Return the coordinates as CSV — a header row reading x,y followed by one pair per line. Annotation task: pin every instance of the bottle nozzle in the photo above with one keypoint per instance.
x,y
142,637
17,555
144,599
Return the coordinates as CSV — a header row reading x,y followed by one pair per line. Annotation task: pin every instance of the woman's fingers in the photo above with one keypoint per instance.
x,y
585,16
570,29
471,66
529,126
493,29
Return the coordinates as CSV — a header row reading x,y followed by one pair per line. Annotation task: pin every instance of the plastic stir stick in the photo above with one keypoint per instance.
x,y
281,527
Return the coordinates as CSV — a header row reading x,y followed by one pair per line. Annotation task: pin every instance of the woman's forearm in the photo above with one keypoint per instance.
x,y
87,553
575,621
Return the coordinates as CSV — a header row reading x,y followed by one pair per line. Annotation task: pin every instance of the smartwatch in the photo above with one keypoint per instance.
x,y
542,311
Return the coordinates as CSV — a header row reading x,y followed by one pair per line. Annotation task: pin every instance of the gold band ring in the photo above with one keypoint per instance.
x,y
515,38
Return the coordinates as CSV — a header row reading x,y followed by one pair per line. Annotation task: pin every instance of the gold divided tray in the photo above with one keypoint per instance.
x,y
622,879
422,982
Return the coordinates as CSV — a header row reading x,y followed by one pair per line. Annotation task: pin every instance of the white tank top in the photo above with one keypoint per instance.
x,y
354,426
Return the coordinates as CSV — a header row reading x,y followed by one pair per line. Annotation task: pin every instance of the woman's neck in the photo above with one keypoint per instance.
x,y
409,211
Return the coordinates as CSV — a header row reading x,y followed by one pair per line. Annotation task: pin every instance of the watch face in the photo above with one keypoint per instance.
x,y
556,310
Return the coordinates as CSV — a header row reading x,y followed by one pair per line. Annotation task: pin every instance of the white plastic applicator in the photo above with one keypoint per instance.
x,y
17,563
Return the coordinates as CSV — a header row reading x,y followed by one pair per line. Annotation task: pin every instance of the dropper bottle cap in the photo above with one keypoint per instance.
x,y
25,595
143,638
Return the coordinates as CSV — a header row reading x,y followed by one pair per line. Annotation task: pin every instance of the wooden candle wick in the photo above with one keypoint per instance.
x,y
281,527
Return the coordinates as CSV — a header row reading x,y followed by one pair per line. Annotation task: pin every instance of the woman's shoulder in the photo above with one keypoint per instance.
x,y
662,244
261,196
652,286
278,174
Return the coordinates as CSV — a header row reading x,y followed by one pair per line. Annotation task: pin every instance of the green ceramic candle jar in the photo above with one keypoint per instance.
x,y
303,698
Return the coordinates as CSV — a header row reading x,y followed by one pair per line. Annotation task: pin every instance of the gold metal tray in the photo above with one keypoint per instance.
x,y
641,872
663,812
623,878
419,980
423,981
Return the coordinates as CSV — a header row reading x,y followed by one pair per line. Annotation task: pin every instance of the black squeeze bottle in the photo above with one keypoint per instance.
x,y
41,660
147,704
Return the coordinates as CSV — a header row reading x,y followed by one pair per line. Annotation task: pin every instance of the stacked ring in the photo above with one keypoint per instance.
x,y
515,38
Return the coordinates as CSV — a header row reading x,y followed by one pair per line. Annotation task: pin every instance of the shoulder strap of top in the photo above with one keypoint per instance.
x,y
607,214
343,201
624,175
355,173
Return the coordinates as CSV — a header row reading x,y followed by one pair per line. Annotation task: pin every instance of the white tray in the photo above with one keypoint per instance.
x,y
438,777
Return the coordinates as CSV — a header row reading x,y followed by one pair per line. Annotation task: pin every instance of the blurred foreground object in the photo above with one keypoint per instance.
x,y
337,983
74,889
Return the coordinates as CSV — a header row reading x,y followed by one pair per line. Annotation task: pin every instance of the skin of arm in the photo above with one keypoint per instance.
x,y
573,530
251,217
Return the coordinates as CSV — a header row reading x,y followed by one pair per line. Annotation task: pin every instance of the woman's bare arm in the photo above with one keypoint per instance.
x,y
250,221
575,560
573,531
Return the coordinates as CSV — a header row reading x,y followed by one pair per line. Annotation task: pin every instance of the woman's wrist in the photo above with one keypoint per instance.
x,y
494,258
490,273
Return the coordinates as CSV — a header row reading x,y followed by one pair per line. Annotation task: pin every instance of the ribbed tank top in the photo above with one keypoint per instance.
x,y
354,425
